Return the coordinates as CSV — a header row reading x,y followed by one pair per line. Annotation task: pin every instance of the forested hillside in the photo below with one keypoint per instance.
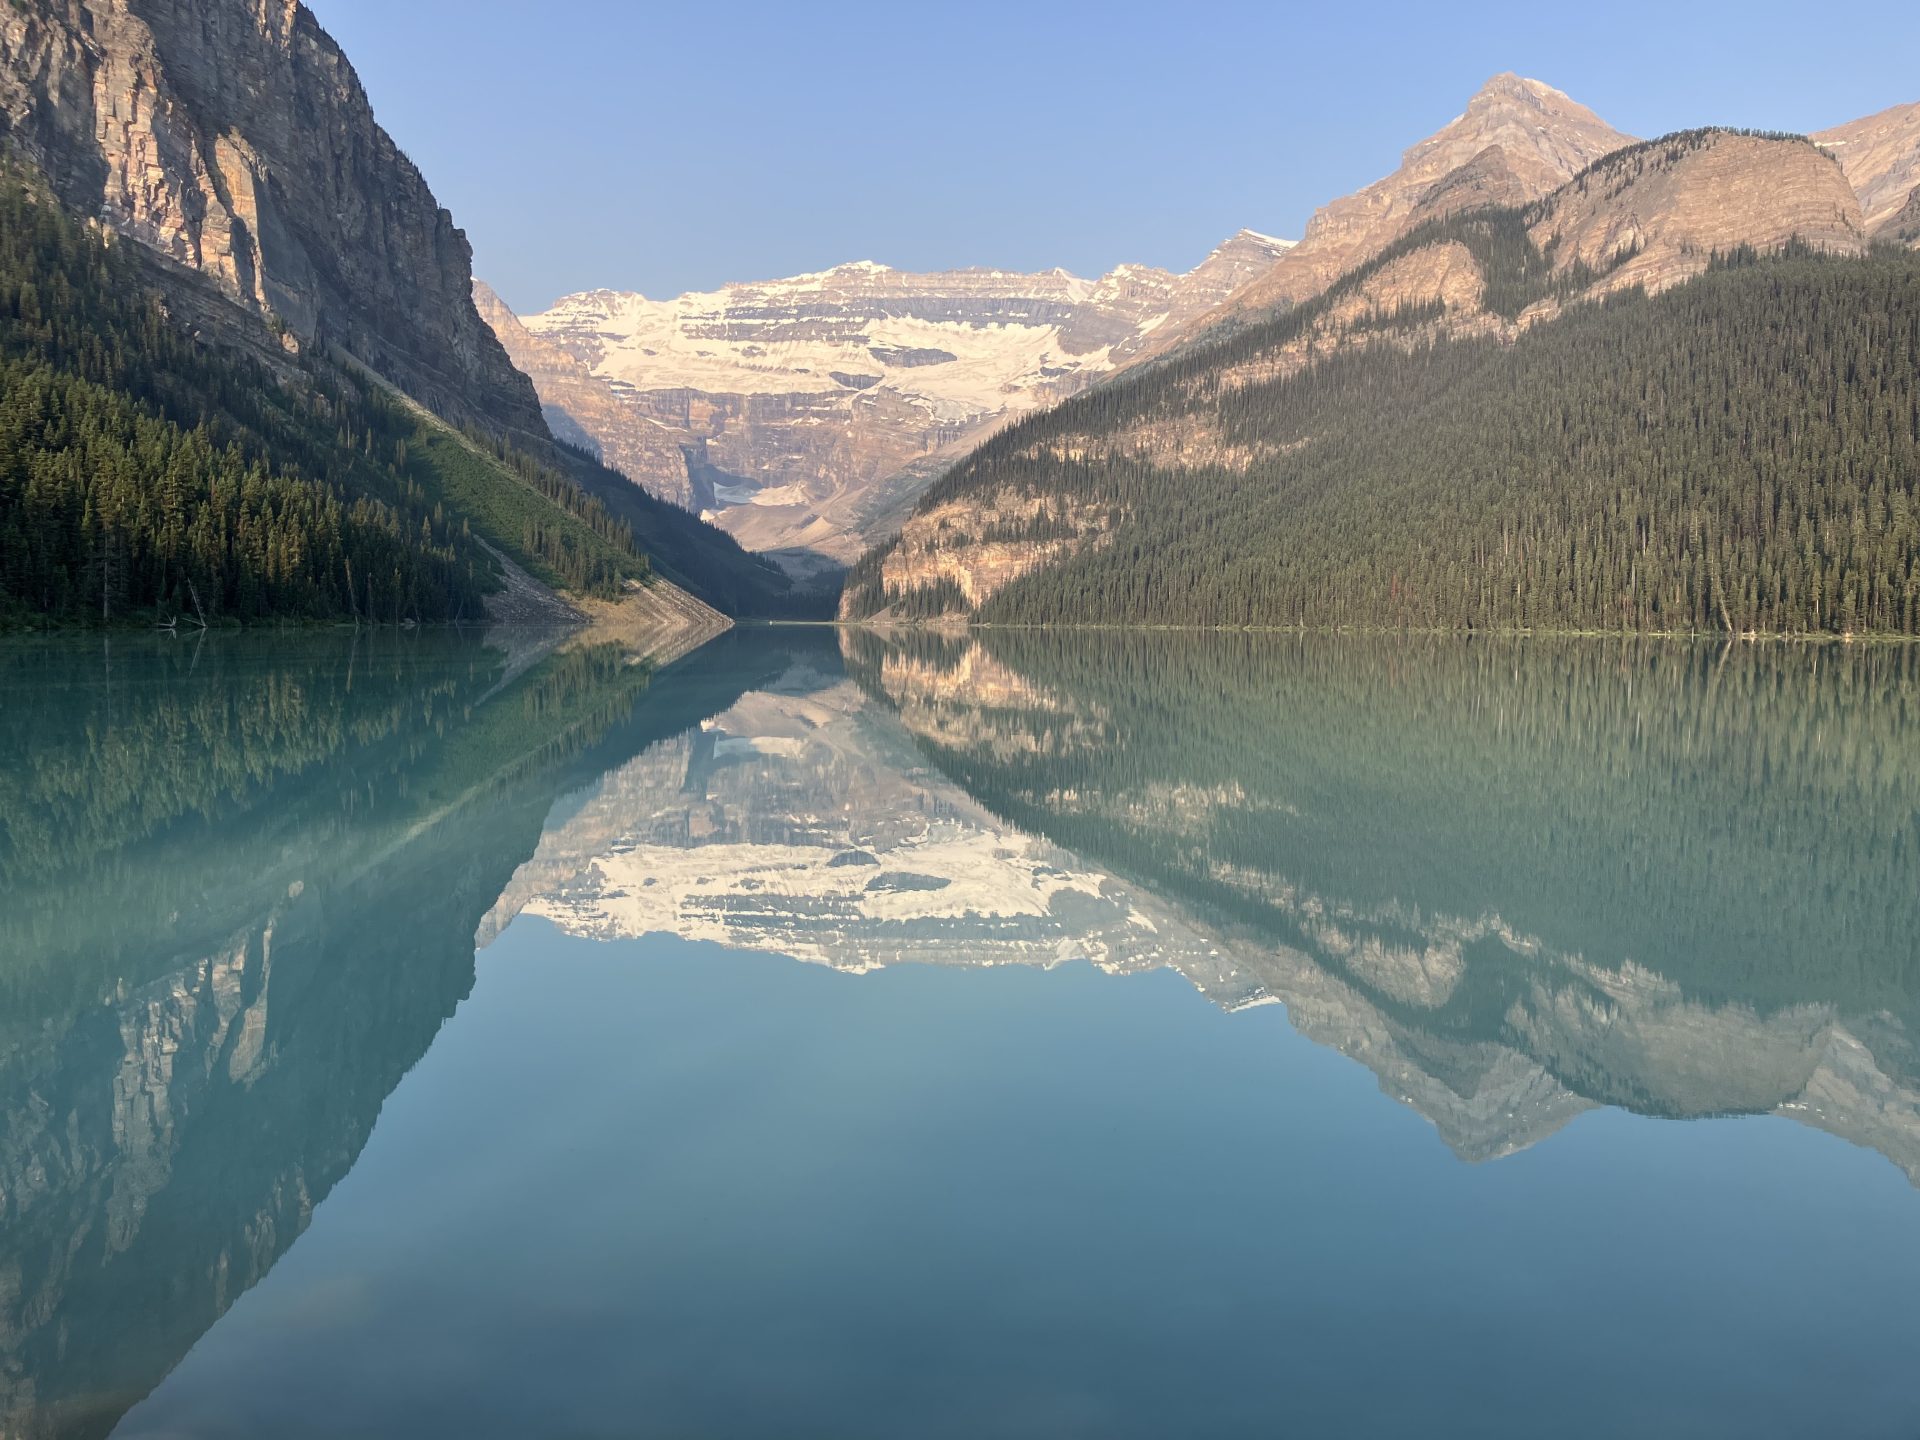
x,y
146,475
1740,453
687,550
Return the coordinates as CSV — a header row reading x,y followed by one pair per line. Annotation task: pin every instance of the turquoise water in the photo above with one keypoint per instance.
x,y
828,1035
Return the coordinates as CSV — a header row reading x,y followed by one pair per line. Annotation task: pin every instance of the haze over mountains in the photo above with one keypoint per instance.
x,y
802,413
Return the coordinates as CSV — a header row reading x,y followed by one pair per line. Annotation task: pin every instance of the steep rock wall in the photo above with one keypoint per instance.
x,y
232,140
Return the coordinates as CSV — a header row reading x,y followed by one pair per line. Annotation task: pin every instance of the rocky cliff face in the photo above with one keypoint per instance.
x,y
1516,141
1881,157
232,140
578,408
1903,226
804,414
1652,215
1669,205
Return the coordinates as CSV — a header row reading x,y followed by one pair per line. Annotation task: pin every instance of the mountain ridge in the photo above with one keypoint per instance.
x,y
1246,419
226,154
151,118
1517,140
1880,154
793,412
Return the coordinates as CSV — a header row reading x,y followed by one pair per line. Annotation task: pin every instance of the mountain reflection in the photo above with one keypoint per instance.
x,y
1515,879
242,886
245,885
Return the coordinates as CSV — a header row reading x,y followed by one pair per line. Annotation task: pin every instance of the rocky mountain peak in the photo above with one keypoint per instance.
x,y
1244,247
1537,127
233,141
1517,140
1511,94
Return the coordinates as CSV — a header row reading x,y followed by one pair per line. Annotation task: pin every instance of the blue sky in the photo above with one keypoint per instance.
x,y
662,148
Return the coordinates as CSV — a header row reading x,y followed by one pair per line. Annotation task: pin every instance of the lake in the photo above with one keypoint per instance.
x,y
838,1034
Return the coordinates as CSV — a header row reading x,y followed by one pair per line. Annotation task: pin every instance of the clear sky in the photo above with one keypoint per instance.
x,y
666,147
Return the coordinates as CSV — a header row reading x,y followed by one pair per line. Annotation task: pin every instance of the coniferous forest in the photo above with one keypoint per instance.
x,y
1741,453
146,476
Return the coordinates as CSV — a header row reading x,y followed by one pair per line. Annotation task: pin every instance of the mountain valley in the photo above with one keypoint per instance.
x,y
803,415
970,442
230,291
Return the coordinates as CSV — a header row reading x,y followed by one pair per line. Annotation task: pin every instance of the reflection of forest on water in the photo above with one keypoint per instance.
x,y
242,886
1515,879
1675,878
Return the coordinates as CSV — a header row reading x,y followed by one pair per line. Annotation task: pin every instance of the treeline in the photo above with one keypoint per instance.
x,y
144,474
196,782
1738,454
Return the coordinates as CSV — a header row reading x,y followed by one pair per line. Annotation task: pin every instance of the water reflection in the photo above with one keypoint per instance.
x,y
245,886
1516,879
242,885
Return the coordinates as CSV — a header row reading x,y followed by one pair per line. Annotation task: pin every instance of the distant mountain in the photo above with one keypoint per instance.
x,y
1462,431
799,414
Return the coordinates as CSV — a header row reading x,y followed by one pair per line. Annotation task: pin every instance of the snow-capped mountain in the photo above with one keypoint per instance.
x,y
806,821
801,822
801,413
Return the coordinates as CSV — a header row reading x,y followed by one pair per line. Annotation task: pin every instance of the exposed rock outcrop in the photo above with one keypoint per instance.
x,y
580,409
233,141
1881,157
1903,226
1670,205
1517,141
805,414
979,549
1651,215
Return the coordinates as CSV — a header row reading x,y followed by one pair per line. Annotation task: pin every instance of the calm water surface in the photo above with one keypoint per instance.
x,y
837,1036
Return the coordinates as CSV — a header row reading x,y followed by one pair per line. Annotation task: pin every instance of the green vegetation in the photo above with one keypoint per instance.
x,y
144,475
192,782
313,826
693,554
562,535
1738,454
